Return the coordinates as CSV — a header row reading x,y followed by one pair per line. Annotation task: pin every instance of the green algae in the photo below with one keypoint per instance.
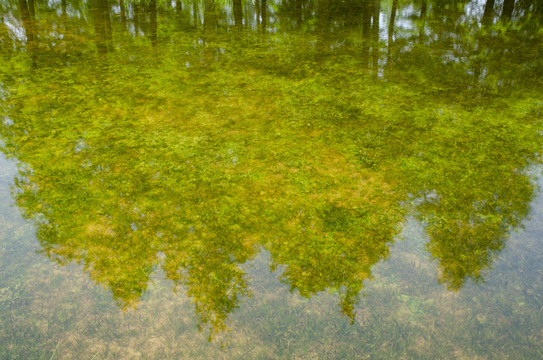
x,y
192,150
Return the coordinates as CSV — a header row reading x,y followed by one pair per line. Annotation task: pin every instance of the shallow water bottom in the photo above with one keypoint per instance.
x,y
52,311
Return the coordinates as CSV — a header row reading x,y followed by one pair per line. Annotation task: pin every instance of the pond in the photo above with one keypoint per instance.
x,y
271,179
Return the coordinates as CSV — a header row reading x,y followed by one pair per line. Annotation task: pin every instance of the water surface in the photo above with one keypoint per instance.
x,y
271,179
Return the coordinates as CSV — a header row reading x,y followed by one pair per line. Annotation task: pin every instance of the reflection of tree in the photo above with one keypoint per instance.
x,y
470,201
103,206
153,22
238,13
102,25
508,8
391,28
207,262
194,169
335,248
488,14
28,16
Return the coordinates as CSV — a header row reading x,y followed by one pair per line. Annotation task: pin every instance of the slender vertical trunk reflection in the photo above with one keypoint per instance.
x,y
246,15
107,20
210,17
210,23
63,7
298,5
136,18
102,25
508,7
32,9
323,21
123,14
422,20
257,10
488,14
264,12
391,29
28,25
154,30
366,28
27,21
375,37
144,23
487,19
195,13
183,16
238,13
323,16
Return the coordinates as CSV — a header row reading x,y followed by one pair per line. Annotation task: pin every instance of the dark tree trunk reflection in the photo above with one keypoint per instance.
x,y
488,14
508,7
375,35
154,25
123,14
298,11
264,13
238,13
31,9
195,13
391,28
422,20
28,18
257,11
102,25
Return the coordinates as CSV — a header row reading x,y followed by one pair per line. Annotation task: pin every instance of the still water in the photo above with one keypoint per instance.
x,y
271,179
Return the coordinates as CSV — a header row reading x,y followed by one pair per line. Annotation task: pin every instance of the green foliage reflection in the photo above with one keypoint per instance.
x,y
190,141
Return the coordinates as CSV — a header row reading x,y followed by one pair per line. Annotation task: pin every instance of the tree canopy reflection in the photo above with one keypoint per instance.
x,y
191,137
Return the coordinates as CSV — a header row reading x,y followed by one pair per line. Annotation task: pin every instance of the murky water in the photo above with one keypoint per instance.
x,y
271,179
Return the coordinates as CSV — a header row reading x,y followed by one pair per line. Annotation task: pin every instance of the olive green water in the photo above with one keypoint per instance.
x,y
271,179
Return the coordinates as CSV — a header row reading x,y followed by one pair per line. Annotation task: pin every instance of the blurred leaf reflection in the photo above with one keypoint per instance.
x,y
192,137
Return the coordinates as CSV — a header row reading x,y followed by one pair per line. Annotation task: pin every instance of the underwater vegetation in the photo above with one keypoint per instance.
x,y
184,144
